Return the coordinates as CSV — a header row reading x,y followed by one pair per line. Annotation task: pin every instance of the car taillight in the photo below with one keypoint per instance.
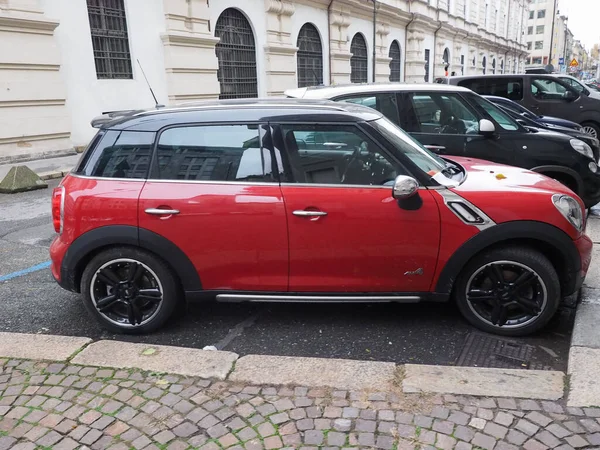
x,y
58,206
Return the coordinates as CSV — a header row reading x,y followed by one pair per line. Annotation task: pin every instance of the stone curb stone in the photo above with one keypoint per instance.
x,y
478,381
40,346
584,385
317,372
54,174
158,358
586,332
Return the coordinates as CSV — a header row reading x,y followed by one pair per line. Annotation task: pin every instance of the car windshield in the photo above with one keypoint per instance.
x,y
429,163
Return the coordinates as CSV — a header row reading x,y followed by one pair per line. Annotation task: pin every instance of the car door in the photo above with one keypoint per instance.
x,y
448,125
346,232
213,193
549,97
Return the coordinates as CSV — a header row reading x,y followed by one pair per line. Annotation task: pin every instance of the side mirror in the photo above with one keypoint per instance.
x,y
486,127
570,96
404,187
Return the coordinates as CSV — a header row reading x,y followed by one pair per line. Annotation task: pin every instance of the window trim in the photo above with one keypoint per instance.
x,y
152,176
391,155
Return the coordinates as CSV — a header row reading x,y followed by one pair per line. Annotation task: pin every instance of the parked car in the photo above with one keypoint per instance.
x,y
307,201
530,120
542,94
450,120
542,120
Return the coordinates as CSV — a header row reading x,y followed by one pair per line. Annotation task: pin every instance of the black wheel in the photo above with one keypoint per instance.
x,y
591,128
510,291
129,290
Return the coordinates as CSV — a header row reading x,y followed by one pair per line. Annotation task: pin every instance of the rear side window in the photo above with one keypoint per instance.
x,y
511,88
118,154
214,153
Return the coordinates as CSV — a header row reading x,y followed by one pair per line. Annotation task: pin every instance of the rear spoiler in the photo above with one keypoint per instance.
x,y
109,116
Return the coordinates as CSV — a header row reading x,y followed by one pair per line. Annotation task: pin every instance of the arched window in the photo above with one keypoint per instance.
x,y
502,66
396,57
310,56
359,60
484,63
236,53
494,65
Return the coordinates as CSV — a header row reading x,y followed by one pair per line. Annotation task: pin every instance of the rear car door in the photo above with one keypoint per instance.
x,y
346,232
212,191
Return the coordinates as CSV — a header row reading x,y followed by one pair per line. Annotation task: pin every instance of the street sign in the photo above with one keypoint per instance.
x,y
561,61
574,63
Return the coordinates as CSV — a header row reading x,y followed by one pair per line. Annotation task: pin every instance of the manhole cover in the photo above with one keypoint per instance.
x,y
481,350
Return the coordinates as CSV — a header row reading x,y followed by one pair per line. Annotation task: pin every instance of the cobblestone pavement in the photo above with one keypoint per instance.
x,y
63,407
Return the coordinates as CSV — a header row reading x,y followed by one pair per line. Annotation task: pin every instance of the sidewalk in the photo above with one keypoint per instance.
x,y
45,168
67,406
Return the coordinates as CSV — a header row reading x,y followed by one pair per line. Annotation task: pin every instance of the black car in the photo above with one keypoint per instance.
x,y
450,120
541,120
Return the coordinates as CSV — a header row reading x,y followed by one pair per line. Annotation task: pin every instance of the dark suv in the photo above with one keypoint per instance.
x,y
450,120
548,95
306,202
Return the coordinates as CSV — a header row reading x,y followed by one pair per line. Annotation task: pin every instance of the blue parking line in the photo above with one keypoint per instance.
x,y
19,273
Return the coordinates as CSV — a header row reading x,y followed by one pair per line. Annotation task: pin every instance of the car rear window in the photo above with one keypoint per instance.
x,y
118,154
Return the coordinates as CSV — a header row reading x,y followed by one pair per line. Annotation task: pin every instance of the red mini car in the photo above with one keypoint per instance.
x,y
296,201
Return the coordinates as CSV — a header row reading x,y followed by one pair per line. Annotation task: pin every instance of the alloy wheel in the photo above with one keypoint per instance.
x,y
506,294
126,292
591,131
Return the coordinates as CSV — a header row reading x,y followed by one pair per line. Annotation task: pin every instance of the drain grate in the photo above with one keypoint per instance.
x,y
481,350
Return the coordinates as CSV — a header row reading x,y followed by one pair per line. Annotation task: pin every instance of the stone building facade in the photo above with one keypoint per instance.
x,y
63,62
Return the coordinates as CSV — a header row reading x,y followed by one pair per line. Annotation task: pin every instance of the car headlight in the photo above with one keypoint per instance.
x,y
582,147
570,209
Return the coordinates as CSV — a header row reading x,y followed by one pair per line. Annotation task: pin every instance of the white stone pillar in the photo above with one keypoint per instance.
x,y
415,57
280,51
339,47
382,60
189,48
33,112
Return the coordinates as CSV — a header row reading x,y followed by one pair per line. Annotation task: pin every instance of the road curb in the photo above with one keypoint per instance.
x,y
487,382
54,174
285,370
40,346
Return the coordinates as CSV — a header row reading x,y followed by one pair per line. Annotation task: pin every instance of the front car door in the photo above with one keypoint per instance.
x,y
346,232
549,98
214,193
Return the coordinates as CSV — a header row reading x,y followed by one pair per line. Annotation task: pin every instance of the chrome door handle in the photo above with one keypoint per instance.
x,y
302,213
161,212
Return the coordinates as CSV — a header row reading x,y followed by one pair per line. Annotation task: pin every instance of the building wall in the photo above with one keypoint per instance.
x,y
175,42
87,96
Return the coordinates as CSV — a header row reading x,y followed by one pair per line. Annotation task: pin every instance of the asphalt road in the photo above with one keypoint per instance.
x,y
427,333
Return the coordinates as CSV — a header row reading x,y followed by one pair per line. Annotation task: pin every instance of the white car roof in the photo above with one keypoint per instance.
x,y
326,92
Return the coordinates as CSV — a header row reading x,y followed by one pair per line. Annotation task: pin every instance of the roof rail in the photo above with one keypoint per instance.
x,y
108,116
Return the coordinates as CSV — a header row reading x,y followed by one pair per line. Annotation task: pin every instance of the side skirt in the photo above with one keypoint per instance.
x,y
316,297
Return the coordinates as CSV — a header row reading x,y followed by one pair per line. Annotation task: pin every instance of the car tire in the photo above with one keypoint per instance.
x,y
592,128
485,298
129,290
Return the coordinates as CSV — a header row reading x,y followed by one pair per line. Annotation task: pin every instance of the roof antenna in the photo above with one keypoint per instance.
x,y
150,87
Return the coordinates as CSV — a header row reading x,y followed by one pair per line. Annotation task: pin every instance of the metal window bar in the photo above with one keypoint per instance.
x,y
395,65
110,41
236,53
359,60
309,57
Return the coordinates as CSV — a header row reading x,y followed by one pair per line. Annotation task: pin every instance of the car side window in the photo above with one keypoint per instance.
x,y
511,88
547,89
439,114
118,154
335,154
385,103
214,153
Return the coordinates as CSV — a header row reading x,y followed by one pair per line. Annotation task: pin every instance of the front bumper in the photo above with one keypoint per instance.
x,y
584,247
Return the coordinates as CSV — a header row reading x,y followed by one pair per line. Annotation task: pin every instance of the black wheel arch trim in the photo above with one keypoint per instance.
x,y
80,249
561,169
553,238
